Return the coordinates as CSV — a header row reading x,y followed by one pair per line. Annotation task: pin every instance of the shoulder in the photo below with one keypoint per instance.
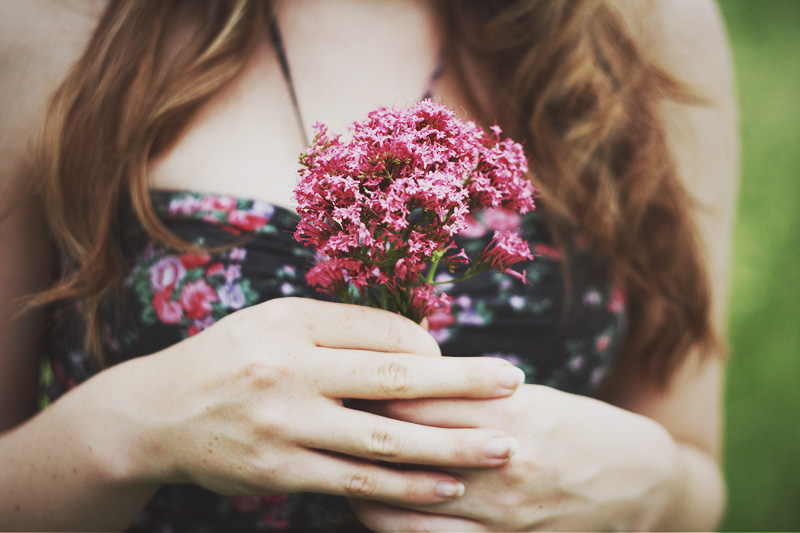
x,y
39,41
686,37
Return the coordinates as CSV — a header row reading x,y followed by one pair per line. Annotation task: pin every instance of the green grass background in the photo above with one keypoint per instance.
x,y
762,436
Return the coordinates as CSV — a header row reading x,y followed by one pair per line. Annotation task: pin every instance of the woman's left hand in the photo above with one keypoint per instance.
x,y
581,464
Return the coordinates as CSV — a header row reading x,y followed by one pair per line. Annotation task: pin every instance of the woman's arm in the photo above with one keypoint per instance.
x,y
688,37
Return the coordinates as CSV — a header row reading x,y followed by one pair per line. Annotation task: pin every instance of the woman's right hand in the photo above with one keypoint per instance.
x,y
253,405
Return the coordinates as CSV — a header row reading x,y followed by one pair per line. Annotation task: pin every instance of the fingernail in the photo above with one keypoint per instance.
x,y
511,377
450,489
501,447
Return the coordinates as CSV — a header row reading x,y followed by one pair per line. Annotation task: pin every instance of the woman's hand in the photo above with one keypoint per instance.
x,y
253,405
581,465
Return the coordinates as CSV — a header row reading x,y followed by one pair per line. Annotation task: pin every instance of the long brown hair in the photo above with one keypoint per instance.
x,y
569,81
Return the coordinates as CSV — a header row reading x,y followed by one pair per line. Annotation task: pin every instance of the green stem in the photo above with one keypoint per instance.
x,y
470,273
436,258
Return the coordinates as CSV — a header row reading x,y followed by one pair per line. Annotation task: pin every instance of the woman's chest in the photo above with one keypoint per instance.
x,y
333,63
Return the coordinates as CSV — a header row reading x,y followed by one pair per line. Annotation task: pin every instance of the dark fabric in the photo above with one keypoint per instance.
x,y
564,339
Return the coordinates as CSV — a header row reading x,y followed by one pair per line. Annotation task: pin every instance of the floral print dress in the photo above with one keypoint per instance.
x,y
563,334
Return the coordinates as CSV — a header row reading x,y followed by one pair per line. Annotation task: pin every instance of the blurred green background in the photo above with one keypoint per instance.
x,y
762,458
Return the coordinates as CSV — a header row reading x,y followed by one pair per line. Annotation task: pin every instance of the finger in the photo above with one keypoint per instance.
x,y
336,325
378,376
379,516
343,476
362,434
438,412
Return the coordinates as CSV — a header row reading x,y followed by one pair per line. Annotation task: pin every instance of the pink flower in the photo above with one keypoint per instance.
x,y
501,219
440,319
426,300
385,203
543,250
473,228
330,275
166,273
196,298
506,250
168,312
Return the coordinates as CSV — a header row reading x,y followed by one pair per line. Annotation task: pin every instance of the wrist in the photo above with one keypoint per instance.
x,y
698,492
117,427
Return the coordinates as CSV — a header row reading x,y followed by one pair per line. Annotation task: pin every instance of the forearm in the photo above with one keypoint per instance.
x,y
72,467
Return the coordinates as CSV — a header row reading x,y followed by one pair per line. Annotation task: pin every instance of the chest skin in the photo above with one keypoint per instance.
x,y
346,58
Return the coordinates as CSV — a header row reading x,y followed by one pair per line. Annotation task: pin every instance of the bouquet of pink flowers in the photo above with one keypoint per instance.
x,y
382,208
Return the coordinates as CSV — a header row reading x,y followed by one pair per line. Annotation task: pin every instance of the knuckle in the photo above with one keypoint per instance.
x,y
277,312
393,378
462,453
268,423
383,443
264,374
360,485
394,332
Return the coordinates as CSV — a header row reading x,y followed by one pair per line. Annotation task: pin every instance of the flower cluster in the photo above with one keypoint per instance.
x,y
381,207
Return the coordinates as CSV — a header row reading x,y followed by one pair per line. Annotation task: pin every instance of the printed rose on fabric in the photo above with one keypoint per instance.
x,y
169,312
196,298
192,290
231,296
237,254
166,273
246,221
217,203
246,504
191,261
616,300
602,342
184,205
200,324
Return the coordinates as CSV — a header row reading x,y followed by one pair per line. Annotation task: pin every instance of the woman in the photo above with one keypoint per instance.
x,y
618,426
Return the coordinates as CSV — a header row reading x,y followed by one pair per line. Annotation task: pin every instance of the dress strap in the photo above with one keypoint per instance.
x,y
433,81
280,49
277,42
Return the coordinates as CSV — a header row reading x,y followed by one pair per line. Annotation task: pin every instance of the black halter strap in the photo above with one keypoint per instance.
x,y
277,42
